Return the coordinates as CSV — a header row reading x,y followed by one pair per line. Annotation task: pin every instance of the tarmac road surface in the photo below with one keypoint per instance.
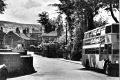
x,y
60,69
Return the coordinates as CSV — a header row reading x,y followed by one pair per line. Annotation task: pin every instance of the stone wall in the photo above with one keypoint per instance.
x,y
11,60
16,63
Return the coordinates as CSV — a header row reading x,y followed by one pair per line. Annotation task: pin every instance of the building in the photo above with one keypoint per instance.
x,y
49,37
12,39
1,39
36,34
32,30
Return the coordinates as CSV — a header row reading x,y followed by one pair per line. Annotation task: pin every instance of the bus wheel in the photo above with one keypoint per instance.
x,y
87,65
106,69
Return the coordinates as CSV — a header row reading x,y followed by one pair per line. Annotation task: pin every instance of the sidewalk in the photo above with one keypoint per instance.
x,y
71,61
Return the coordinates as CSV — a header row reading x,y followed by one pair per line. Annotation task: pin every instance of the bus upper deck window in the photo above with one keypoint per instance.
x,y
98,32
115,28
108,29
103,31
90,35
94,33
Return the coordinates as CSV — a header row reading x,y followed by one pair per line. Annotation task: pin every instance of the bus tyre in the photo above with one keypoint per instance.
x,y
106,69
87,65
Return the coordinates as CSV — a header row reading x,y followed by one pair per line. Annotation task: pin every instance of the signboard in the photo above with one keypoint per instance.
x,y
95,40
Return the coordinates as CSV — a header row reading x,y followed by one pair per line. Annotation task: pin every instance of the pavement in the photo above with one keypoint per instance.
x,y
71,61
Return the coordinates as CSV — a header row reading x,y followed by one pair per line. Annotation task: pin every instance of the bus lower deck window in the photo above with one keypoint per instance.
x,y
115,51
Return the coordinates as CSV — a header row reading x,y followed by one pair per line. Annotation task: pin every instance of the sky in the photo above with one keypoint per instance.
x,y
107,16
26,11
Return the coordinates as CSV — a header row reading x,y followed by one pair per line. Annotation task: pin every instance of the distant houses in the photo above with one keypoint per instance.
x,y
12,33
12,39
2,34
11,26
49,37
32,30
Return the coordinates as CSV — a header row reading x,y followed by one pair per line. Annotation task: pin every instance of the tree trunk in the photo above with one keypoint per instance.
x,y
112,14
90,21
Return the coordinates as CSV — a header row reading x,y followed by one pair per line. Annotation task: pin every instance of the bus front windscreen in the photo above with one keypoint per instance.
x,y
115,28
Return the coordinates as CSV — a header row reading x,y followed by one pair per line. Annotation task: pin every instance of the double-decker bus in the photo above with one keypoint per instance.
x,y
101,48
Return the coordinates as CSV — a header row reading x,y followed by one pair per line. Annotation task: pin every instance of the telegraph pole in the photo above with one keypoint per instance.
x,y
66,32
66,41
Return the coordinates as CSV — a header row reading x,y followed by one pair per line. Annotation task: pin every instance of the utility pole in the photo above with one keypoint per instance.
x,y
66,42
66,32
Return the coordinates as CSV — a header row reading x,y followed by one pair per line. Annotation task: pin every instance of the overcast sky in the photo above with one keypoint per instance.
x,y
26,11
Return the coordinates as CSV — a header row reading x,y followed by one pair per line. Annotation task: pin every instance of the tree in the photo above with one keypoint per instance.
x,y
43,18
66,7
100,22
77,43
2,6
111,5
59,24
88,9
82,12
46,22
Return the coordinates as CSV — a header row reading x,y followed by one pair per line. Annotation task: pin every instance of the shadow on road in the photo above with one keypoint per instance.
x,y
20,73
112,74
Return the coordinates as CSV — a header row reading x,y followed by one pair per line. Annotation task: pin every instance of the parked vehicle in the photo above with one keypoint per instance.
x,y
101,48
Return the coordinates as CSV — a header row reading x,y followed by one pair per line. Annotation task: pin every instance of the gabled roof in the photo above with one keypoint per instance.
x,y
11,26
11,32
22,35
53,33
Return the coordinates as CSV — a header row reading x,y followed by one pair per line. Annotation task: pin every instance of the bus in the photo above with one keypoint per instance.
x,y
101,48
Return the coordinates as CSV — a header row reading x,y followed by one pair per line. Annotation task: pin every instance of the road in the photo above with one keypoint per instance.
x,y
60,69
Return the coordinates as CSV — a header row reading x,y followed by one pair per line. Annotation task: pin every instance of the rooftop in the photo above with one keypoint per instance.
x,y
53,33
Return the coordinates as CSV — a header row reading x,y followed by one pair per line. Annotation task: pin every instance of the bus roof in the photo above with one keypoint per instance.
x,y
100,27
111,24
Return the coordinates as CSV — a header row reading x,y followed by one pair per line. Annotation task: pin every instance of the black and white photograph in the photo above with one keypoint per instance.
x,y
59,40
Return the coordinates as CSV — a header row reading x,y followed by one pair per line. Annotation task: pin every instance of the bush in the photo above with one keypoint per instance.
x,y
49,50
76,56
